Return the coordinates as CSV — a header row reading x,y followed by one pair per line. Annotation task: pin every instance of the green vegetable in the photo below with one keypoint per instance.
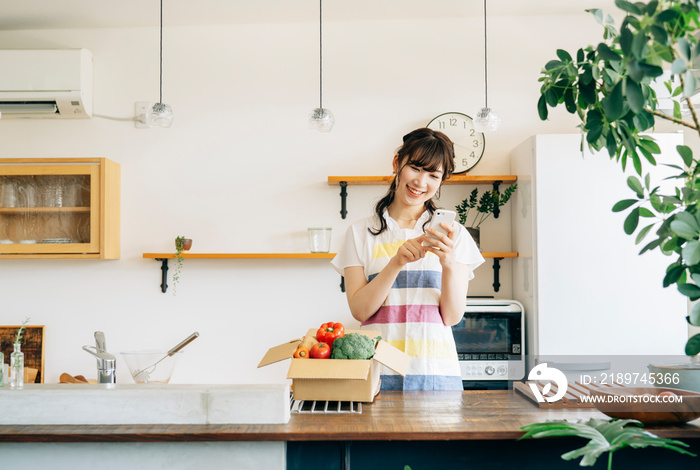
x,y
353,346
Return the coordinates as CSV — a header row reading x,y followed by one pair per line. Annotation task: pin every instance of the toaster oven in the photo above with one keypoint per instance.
x,y
490,342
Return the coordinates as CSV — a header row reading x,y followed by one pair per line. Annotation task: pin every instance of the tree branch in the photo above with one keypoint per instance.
x,y
674,120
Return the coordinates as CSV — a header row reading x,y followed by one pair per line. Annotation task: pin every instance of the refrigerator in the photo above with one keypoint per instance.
x,y
584,287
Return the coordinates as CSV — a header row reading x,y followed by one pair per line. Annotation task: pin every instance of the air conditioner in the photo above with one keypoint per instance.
x,y
46,84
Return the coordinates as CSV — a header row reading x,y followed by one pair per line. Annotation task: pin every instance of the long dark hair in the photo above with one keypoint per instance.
x,y
424,148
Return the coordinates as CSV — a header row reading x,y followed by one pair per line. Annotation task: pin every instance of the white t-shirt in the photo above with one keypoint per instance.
x,y
410,318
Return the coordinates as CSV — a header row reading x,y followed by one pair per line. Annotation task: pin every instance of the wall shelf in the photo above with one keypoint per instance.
x,y
164,257
344,181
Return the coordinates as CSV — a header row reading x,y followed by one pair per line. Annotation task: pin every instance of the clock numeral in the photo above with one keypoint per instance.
x,y
472,132
475,143
472,155
453,122
465,162
441,124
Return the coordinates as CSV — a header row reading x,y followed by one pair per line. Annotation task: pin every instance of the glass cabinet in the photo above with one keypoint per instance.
x,y
59,208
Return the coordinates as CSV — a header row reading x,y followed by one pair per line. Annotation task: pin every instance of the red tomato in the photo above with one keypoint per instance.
x,y
320,351
329,332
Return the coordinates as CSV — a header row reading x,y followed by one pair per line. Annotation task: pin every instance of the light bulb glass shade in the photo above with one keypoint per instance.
x,y
321,119
160,115
486,120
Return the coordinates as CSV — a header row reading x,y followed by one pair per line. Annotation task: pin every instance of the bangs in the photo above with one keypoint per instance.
x,y
431,157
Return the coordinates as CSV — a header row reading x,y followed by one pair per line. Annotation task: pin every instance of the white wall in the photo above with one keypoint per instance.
x,y
240,172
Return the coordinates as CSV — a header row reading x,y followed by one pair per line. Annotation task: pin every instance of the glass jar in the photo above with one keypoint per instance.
x,y
17,367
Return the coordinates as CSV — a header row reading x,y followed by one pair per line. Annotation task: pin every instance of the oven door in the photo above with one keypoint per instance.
x,y
489,345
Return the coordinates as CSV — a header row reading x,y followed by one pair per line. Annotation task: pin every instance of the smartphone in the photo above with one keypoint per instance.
x,y
442,216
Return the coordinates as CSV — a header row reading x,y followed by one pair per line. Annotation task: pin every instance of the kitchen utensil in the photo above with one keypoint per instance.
x,y
142,375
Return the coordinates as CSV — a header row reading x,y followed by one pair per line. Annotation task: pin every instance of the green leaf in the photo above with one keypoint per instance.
x,y
607,54
579,55
692,347
651,245
644,212
694,317
673,275
569,100
553,64
628,7
679,66
632,221
639,46
677,110
635,98
604,436
688,219
612,104
626,38
636,186
594,134
542,108
689,290
659,34
564,56
642,233
650,9
624,204
650,145
691,253
686,154
682,229
684,48
666,16
587,92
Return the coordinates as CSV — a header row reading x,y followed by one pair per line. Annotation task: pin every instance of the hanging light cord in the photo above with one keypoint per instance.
x,y
320,53
161,52
486,64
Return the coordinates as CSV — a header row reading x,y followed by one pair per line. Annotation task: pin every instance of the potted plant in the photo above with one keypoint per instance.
x,y
610,87
182,244
481,208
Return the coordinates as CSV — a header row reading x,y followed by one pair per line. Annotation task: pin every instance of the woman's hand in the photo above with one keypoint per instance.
x,y
412,250
443,246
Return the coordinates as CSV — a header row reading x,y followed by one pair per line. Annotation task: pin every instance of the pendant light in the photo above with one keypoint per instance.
x,y
160,114
486,119
321,119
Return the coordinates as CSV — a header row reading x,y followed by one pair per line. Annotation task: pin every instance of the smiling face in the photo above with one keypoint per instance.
x,y
416,184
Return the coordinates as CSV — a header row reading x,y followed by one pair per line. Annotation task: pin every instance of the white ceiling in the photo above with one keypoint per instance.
x,y
58,14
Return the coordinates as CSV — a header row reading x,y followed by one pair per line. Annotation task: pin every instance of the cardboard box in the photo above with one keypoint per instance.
x,y
337,379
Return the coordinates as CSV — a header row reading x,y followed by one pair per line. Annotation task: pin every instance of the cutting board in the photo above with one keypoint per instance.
x,y
572,398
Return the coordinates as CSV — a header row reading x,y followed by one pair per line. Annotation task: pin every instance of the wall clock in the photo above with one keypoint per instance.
x,y
469,144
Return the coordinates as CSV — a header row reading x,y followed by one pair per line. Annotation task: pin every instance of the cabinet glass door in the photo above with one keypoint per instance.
x,y
49,209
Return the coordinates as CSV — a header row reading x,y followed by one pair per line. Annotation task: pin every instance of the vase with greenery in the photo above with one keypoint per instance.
x,y
475,209
613,89
605,436
17,359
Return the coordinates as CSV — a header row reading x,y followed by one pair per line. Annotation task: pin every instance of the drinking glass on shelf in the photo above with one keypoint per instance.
x,y
8,193
54,193
73,193
28,195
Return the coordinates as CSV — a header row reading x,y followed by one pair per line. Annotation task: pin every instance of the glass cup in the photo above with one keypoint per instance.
x,y
8,193
54,192
28,195
319,240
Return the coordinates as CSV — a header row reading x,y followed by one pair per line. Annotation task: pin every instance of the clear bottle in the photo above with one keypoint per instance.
x,y
17,367
2,369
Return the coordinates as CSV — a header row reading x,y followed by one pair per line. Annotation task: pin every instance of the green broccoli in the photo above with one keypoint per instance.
x,y
353,346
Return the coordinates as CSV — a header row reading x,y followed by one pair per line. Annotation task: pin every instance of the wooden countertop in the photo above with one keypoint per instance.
x,y
469,415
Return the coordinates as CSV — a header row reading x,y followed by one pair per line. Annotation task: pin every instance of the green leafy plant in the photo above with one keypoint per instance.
x,y
605,436
21,330
179,247
482,206
610,87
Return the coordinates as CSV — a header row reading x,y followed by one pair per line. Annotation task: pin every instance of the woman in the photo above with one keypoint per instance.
x,y
407,285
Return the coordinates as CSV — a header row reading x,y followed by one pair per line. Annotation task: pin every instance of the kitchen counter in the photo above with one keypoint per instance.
x,y
407,416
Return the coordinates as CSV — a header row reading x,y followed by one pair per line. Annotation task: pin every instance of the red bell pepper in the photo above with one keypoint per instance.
x,y
329,332
320,351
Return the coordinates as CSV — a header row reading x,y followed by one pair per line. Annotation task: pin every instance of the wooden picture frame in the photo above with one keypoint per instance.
x,y
32,347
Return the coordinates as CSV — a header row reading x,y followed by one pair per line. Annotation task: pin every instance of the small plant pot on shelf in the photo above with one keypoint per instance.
x,y
183,244
476,235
